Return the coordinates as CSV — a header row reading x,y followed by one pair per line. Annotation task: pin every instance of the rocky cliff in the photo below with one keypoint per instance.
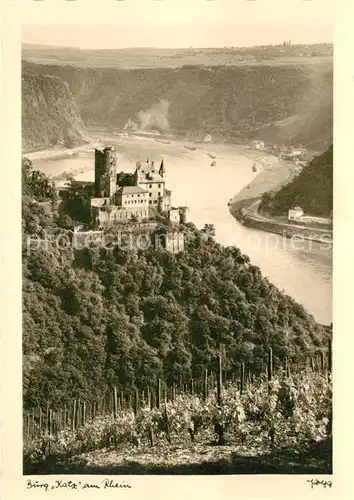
x,y
50,115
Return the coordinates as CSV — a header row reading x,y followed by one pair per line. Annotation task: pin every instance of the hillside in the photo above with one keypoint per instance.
x,y
279,104
94,318
312,189
50,116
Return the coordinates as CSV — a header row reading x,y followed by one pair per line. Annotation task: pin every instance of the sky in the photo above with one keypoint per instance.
x,y
174,35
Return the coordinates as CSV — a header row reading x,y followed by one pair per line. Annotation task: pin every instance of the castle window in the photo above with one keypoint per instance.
x,y
150,194
159,193
150,202
159,185
150,186
155,201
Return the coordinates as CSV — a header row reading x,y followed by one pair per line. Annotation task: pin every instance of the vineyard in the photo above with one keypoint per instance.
x,y
287,407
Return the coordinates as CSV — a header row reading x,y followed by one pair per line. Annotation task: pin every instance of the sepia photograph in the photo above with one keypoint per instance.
x,y
177,233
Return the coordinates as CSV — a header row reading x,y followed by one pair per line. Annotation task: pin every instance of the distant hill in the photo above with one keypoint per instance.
x,y
285,104
312,189
50,115
153,57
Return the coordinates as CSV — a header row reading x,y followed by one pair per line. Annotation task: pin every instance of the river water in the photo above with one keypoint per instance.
x,y
302,269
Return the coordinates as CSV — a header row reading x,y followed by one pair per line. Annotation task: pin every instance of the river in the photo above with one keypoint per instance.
x,y
302,270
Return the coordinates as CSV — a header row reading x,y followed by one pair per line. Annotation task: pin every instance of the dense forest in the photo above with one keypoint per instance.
x,y
286,104
96,318
311,189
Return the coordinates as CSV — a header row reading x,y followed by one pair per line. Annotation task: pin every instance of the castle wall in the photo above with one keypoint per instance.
x,y
112,214
172,242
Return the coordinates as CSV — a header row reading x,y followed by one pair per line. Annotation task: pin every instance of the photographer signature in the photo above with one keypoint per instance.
x,y
320,482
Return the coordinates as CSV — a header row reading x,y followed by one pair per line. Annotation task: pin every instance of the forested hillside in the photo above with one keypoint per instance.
x,y
50,116
312,190
96,318
278,104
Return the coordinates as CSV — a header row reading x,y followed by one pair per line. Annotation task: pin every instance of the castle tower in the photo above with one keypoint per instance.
x,y
105,172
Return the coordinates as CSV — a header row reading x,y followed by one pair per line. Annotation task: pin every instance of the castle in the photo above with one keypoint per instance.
x,y
144,197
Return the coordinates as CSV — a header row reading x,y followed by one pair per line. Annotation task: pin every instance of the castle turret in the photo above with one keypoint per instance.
x,y
162,169
105,172
137,173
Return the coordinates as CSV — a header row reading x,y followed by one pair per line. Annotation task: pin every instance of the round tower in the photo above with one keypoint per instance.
x,y
160,203
183,215
105,172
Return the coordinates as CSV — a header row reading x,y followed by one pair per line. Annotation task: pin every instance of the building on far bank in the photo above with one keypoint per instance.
x,y
295,213
258,144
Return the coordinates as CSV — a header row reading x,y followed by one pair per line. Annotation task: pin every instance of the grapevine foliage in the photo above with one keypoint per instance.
x,y
285,412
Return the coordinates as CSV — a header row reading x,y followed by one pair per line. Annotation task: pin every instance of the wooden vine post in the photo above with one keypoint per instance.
x,y
148,397
136,401
212,381
158,394
205,384
219,428
115,403
73,419
40,421
270,364
168,435
242,381
192,387
219,380
330,356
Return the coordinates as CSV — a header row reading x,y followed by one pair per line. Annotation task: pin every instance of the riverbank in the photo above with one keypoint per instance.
x,y
57,152
272,175
323,236
244,206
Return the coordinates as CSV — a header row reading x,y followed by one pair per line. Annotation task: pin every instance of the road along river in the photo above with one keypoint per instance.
x,y
303,269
